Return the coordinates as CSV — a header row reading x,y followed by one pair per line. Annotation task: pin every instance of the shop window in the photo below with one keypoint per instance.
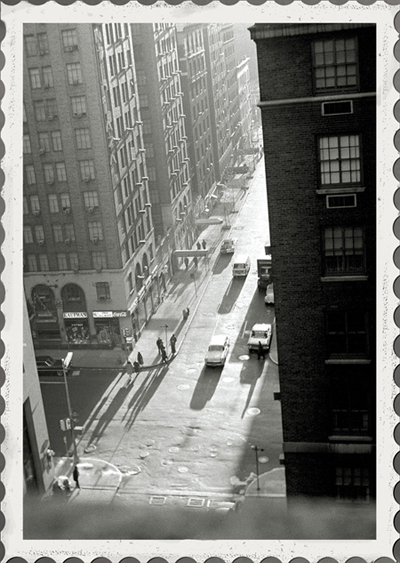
x,y
72,293
103,291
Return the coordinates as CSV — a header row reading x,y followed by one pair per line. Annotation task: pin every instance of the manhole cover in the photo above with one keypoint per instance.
x,y
174,449
142,455
196,502
228,379
183,469
229,443
89,449
134,470
157,500
149,443
166,462
213,454
244,357
183,387
195,448
253,411
263,459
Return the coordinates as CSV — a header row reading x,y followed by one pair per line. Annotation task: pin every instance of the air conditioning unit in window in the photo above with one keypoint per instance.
x,y
90,209
95,240
37,212
41,242
51,117
86,180
46,86
42,151
76,81
67,210
50,182
41,53
69,48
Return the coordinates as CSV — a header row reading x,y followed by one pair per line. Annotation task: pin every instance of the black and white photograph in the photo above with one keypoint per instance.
x,y
200,260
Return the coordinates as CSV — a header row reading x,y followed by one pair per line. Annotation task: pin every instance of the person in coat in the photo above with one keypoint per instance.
x,y
260,351
160,344
75,476
172,342
140,358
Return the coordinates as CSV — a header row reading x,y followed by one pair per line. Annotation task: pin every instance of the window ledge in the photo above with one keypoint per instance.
x,y
338,361
339,278
347,438
350,190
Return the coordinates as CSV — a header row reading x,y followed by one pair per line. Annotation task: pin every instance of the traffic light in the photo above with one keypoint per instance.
x,y
65,424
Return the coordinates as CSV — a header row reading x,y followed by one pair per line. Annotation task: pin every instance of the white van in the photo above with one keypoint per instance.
x,y
241,266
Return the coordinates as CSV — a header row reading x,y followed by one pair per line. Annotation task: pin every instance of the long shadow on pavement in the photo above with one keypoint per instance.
x,y
230,297
205,387
144,393
108,416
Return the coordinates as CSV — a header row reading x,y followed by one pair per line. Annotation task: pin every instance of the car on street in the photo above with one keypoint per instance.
x,y
217,351
269,295
47,365
261,332
228,246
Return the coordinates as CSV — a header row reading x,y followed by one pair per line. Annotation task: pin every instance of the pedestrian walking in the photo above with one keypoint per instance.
x,y
136,367
196,262
164,357
260,351
75,476
67,488
204,245
198,245
140,358
160,344
172,342
129,371
187,262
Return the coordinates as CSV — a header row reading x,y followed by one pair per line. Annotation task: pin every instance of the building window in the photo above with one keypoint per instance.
x,y
130,282
44,142
78,104
143,100
335,64
28,236
141,77
340,160
34,76
99,260
43,43
346,334
350,413
117,96
57,233
25,205
30,45
82,137
69,231
47,77
65,202
39,233
91,199
62,261
53,203
95,231
103,291
35,205
87,170
48,173
61,172
30,174
73,260
43,263
32,263
26,145
146,126
56,139
74,73
40,110
344,250
51,106
352,484
69,39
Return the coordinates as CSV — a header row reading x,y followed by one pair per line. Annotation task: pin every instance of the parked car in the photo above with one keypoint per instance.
x,y
228,246
47,365
261,332
269,295
217,351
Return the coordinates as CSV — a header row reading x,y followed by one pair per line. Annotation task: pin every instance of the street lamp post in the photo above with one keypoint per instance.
x,y
166,338
65,363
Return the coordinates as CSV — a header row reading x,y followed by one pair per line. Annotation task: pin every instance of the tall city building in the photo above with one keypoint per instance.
x,y
160,96
245,106
318,105
90,265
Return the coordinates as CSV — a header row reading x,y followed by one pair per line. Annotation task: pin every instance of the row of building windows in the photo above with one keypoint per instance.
x,y
116,31
52,141
51,172
62,233
65,261
123,61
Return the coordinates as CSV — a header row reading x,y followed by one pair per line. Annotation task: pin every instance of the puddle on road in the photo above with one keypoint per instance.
x,y
244,357
142,455
183,469
253,411
263,459
174,450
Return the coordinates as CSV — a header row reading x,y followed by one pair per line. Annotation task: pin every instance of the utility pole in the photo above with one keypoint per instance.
x,y
257,449
166,338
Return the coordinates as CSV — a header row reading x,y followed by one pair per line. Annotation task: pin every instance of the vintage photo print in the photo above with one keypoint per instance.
x,y
199,207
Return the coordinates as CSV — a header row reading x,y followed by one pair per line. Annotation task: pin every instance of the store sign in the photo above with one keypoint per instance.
x,y
109,314
75,315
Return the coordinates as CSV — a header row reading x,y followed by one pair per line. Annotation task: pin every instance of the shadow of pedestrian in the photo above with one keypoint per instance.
x,y
108,415
144,393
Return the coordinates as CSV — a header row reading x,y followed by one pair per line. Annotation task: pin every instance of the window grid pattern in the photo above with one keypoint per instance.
x,y
87,169
99,260
335,64
30,174
35,204
74,73
82,137
69,231
34,76
352,484
344,250
62,263
57,233
53,203
340,160
346,334
44,142
56,140
61,172
95,230
44,263
26,145
103,291
91,199
69,39
39,233
78,104
48,173
65,201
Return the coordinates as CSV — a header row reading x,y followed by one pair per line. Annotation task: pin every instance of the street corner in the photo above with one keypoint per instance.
x,y
98,473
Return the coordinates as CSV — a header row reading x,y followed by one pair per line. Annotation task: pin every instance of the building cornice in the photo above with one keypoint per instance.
x,y
317,99
272,31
